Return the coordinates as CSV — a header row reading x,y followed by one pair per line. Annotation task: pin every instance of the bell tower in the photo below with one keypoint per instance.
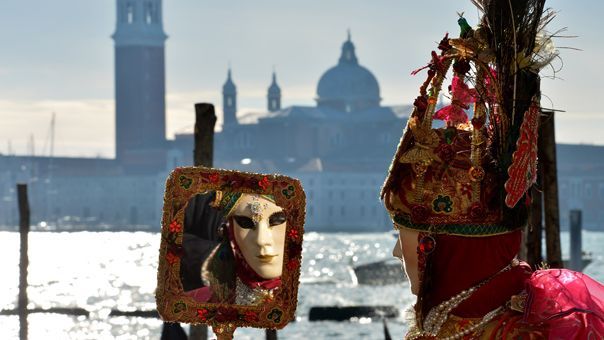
x,y
140,109
229,102
274,95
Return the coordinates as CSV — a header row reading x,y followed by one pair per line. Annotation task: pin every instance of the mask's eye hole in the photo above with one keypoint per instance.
x,y
277,219
244,222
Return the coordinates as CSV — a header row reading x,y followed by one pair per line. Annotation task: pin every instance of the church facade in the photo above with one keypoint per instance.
x,y
339,148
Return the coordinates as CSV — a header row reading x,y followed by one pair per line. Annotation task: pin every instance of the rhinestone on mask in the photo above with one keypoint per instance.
x,y
257,208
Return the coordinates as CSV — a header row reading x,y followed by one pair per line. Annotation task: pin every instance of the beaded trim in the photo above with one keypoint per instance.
x,y
404,221
438,315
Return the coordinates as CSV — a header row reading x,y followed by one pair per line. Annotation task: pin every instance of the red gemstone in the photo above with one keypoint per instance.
x,y
427,244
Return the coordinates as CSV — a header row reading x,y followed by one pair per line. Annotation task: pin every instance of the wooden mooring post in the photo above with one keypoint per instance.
x,y
576,247
23,258
547,156
534,230
205,121
203,155
544,206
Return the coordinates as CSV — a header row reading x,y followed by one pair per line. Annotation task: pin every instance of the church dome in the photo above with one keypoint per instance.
x,y
348,86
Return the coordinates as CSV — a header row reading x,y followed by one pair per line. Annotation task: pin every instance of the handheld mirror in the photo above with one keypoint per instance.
x,y
231,249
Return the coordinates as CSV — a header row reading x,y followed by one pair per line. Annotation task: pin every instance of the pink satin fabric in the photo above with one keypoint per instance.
x,y
571,303
567,304
202,294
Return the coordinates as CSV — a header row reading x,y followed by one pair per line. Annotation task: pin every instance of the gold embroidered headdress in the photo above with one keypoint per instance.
x,y
467,178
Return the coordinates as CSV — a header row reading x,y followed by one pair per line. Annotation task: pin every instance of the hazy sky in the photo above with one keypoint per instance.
x,y
57,56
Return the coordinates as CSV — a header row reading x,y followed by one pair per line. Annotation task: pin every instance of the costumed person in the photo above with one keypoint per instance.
x,y
459,195
245,268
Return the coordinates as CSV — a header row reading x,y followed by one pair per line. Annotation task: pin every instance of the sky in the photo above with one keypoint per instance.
x,y
57,56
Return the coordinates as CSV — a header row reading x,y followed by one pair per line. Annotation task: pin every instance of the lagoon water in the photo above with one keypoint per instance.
x,y
100,271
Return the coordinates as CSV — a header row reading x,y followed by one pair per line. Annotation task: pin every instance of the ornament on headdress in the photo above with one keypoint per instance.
x,y
465,30
523,171
462,96
426,244
425,140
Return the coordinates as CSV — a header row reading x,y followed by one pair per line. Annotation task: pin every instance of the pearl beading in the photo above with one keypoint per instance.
x,y
439,314
416,334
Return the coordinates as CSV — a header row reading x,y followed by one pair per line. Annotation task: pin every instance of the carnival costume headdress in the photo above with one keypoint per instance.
x,y
465,186
451,180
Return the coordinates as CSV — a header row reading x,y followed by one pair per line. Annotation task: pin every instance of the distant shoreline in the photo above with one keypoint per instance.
x,y
154,230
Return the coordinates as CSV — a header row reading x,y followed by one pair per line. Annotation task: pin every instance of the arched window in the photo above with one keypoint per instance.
x,y
149,13
129,13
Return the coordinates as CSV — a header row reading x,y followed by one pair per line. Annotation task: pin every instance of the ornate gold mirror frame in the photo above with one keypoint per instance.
x,y
173,304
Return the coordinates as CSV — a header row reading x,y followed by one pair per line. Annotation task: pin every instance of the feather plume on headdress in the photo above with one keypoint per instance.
x,y
515,35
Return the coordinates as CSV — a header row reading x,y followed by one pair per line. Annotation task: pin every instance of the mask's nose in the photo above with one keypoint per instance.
x,y
265,235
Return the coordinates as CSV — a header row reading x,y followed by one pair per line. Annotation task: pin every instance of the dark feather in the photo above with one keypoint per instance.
x,y
513,27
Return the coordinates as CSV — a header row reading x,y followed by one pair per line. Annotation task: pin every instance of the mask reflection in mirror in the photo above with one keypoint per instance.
x,y
259,233
246,267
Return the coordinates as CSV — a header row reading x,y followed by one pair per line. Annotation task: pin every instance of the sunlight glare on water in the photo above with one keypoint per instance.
x,y
101,271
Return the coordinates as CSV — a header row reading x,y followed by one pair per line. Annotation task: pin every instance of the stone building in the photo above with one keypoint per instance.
x,y
340,148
